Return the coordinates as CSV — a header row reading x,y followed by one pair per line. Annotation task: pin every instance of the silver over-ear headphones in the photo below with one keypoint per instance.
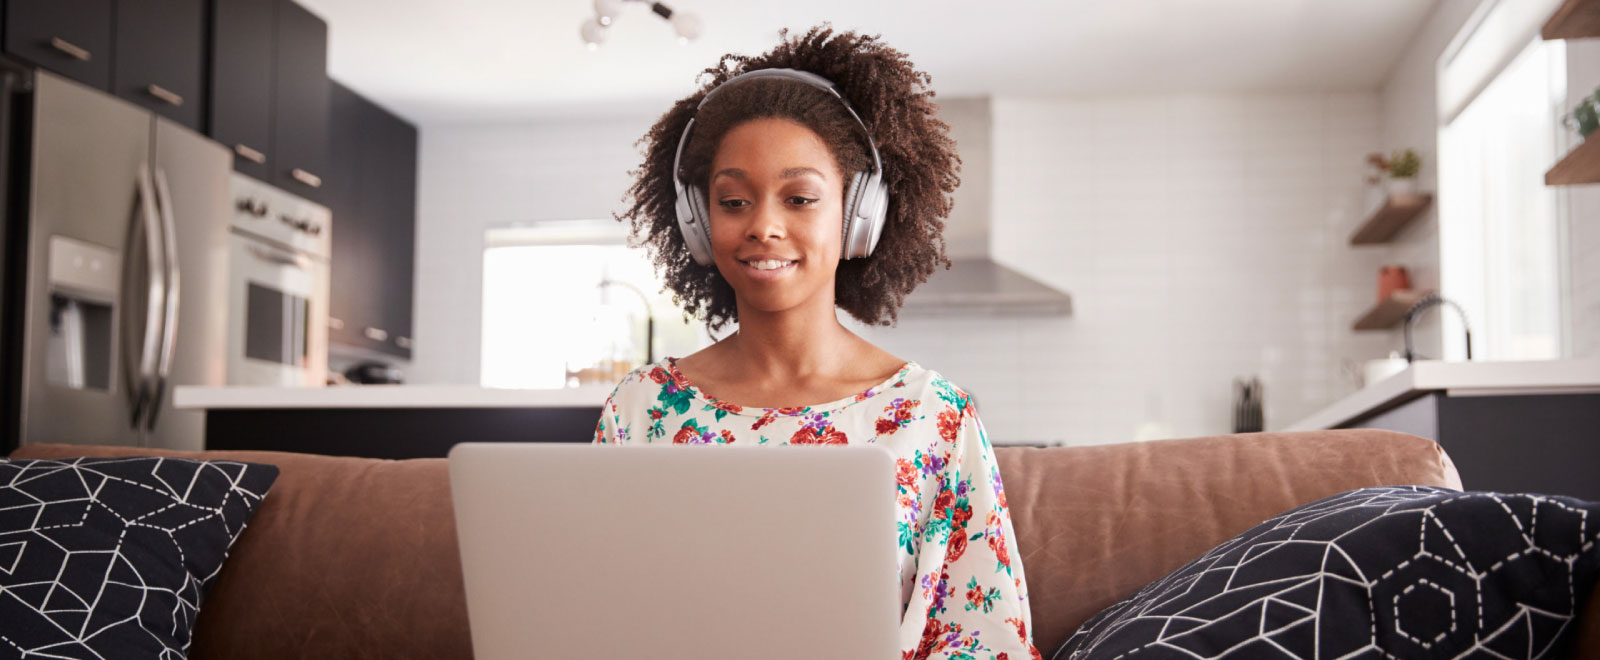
x,y
866,200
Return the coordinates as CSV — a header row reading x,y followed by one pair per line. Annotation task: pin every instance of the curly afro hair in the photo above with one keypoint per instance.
x,y
919,159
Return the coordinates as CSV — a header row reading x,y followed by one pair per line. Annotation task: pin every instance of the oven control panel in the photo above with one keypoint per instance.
x,y
267,212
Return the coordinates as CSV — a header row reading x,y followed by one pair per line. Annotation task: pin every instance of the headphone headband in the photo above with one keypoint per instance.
x,y
806,77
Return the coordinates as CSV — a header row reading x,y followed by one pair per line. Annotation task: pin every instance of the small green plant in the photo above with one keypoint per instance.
x,y
1404,164
1586,116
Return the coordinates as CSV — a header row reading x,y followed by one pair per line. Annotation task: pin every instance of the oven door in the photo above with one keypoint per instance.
x,y
278,316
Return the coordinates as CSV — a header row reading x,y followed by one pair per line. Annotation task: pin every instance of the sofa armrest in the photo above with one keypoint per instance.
x,y
1096,523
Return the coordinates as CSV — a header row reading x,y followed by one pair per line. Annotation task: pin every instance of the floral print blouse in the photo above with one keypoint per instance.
x,y
961,581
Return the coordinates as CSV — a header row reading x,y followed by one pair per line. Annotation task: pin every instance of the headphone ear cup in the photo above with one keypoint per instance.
x,y
867,207
694,223
878,216
852,216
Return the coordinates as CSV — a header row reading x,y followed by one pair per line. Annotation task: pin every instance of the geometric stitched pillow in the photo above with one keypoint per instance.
x,y
1390,572
111,557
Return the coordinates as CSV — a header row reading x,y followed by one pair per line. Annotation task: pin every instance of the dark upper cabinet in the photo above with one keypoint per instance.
x,y
270,92
70,37
242,34
399,252
300,103
160,53
348,290
372,194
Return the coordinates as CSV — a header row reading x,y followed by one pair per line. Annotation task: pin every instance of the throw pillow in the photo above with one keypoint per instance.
x,y
1391,572
110,557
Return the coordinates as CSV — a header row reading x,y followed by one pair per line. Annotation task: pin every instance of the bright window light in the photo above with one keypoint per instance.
x,y
547,322
1500,231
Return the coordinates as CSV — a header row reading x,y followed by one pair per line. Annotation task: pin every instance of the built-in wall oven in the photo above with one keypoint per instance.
x,y
278,296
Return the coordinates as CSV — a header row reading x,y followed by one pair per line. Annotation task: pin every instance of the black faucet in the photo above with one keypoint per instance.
x,y
1416,310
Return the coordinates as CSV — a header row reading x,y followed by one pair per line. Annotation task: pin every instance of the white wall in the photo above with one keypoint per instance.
x,y
1201,237
475,177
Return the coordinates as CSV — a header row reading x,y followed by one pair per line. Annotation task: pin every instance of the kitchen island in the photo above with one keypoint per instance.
x,y
1508,426
390,421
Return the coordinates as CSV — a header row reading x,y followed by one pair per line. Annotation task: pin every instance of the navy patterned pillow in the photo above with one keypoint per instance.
x,y
1390,572
110,557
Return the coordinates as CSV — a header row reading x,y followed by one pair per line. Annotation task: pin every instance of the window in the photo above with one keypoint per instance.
x,y
547,321
1500,226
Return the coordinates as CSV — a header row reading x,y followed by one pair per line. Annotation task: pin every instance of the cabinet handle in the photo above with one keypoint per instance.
x,y
375,334
306,177
164,94
402,342
247,153
72,50
335,323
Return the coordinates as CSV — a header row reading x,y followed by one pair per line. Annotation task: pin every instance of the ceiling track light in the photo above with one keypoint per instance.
x,y
686,25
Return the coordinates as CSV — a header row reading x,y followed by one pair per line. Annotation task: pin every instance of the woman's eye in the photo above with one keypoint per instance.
x,y
732,203
797,200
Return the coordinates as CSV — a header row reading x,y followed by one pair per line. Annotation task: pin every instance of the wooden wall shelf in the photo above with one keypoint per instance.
x,y
1579,167
1397,211
1575,19
1390,311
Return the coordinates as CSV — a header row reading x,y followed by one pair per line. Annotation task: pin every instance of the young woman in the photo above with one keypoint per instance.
x,y
806,180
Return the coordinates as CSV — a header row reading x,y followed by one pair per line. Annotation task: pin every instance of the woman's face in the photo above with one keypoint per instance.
x,y
776,204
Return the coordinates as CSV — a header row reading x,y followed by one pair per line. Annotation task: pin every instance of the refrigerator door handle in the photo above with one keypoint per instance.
x,y
141,370
169,335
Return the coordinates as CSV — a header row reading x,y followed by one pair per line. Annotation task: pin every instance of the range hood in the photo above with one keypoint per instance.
x,y
976,285
980,286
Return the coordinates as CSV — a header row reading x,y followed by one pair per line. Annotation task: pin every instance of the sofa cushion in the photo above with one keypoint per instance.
x,y
112,557
1096,523
349,558
1386,572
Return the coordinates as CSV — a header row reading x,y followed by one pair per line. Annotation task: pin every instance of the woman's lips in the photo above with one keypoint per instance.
x,y
767,275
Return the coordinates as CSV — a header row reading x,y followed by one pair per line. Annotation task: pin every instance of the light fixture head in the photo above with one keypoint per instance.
x,y
593,33
687,26
606,10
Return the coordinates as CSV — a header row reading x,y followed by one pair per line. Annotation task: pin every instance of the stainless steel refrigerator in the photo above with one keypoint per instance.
x,y
123,280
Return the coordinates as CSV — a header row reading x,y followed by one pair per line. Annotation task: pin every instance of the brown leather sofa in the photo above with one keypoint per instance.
x,y
357,558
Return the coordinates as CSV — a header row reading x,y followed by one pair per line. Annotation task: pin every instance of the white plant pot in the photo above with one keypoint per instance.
x,y
1403,187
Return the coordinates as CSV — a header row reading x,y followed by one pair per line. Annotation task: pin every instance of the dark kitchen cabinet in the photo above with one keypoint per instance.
x,y
241,81
160,56
70,37
372,194
300,104
270,92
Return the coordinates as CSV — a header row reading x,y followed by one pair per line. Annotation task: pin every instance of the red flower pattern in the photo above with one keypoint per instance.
x,y
808,435
905,472
949,424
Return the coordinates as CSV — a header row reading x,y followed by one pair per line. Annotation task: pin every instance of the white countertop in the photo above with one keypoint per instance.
x,y
387,396
1459,379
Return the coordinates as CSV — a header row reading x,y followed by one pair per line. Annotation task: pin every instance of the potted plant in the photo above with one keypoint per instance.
x,y
1401,169
1585,117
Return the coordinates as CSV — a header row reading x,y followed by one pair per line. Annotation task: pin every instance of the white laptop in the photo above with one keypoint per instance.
x,y
677,552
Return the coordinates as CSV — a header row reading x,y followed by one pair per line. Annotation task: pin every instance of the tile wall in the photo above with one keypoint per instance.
x,y
1201,237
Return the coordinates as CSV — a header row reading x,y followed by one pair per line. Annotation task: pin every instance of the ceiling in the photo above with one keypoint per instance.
x,y
458,61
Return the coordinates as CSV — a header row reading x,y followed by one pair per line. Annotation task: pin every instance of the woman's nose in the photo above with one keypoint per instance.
x,y
767,222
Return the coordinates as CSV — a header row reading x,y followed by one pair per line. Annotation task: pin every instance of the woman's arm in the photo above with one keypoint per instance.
x,y
608,429
969,572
